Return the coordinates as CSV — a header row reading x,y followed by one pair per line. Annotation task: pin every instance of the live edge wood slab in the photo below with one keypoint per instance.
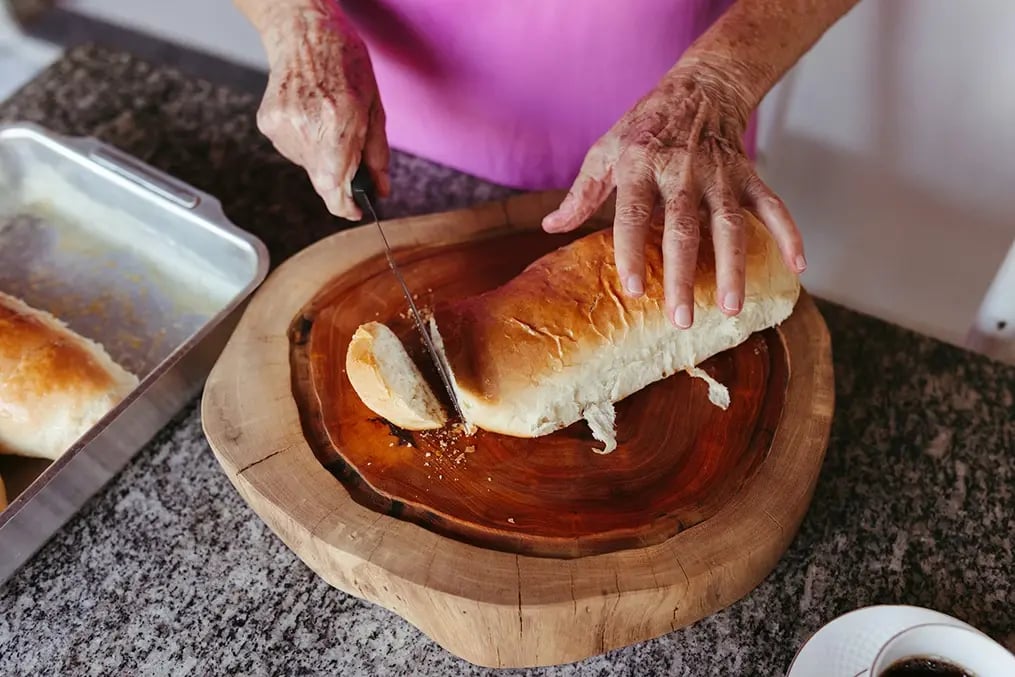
x,y
512,552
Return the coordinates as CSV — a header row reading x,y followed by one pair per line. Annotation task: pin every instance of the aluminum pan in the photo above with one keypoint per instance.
x,y
142,263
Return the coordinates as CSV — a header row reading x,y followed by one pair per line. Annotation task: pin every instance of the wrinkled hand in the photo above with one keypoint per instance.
x,y
680,147
321,108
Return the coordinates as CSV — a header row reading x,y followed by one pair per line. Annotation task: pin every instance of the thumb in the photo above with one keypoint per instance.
x,y
588,192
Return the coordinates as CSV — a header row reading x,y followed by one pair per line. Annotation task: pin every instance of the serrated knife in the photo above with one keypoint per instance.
x,y
362,192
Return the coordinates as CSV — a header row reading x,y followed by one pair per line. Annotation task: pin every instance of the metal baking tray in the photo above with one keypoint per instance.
x,y
144,264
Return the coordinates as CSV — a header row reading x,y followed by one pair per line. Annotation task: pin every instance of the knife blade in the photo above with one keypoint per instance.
x,y
362,192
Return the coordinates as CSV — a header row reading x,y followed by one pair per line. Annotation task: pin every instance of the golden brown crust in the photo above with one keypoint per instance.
x,y
537,323
35,360
54,384
3,494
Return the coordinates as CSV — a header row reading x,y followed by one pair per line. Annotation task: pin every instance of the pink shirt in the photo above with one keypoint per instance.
x,y
516,91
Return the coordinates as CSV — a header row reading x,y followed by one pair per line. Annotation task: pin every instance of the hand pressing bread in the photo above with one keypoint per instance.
x,y
54,384
562,342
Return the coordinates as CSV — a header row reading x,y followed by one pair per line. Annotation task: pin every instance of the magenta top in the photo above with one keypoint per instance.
x,y
516,91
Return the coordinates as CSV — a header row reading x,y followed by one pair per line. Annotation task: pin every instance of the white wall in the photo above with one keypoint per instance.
x,y
893,142
21,58
215,26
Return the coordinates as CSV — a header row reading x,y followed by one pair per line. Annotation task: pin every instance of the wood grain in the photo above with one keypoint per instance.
x,y
679,460
485,604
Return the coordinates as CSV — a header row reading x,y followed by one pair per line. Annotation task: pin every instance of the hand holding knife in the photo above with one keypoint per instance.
x,y
362,193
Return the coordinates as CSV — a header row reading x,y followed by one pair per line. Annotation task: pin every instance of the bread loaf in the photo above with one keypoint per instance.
x,y
388,382
54,384
562,342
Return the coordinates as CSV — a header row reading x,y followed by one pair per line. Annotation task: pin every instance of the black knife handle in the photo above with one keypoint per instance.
x,y
363,185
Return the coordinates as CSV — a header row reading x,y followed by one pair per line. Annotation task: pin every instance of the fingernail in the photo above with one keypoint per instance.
x,y
682,316
550,221
634,285
801,263
731,301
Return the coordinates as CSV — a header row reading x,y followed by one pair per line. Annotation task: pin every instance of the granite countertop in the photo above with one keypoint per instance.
x,y
167,571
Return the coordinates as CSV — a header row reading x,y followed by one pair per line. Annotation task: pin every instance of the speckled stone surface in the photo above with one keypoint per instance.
x,y
168,572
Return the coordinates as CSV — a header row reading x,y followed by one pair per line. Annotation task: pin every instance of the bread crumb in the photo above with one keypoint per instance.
x,y
470,449
459,458
511,520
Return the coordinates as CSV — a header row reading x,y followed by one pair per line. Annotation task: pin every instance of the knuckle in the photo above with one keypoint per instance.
x,y
635,158
325,182
730,218
681,237
674,183
633,214
686,225
645,138
762,194
267,119
773,202
585,187
682,217
753,185
338,205
679,198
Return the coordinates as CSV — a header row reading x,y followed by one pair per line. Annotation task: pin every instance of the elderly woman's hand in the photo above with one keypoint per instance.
x,y
680,147
321,108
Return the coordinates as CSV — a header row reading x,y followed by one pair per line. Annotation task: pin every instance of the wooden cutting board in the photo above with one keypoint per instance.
x,y
512,552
